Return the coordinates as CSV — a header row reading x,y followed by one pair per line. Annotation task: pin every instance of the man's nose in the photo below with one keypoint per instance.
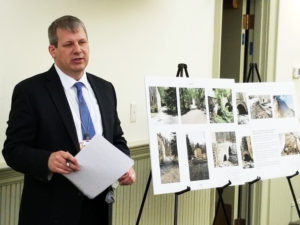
x,y
77,48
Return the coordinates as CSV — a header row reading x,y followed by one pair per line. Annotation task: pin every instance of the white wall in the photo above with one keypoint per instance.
x,y
288,46
128,40
288,55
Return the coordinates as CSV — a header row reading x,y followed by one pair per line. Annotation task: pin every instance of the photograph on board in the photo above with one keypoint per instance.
x,y
247,152
283,106
220,105
242,108
163,105
290,143
224,149
168,157
192,105
260,106
197,156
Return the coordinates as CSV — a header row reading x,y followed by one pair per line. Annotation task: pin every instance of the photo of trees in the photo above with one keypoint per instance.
x,y
163,105
247,152
260,106
224,149
197,156
220,106
192,105
242,108
283,106
168,157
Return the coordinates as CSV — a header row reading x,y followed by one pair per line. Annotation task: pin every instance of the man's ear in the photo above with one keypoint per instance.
x,y
52,49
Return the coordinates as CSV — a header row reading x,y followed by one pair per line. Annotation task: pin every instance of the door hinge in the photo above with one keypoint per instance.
x,y
235,4
248,22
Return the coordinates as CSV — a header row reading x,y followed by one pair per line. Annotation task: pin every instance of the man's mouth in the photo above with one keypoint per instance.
x,y
77,60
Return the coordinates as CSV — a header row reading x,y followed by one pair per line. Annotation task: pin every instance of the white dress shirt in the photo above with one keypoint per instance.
x,y
89,97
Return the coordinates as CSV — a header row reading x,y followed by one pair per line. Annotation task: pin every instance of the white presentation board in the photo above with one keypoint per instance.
x,y
205,132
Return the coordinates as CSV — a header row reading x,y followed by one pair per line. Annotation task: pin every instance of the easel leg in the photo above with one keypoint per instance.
x,y
144,199
176,203
223,206
175,209
252,78
249,204
182,67
293,193
258,75
250,72
249,199
216,211
220,201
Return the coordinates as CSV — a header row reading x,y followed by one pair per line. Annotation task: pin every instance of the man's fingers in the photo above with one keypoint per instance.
x,y
128,178
61,167
62,162
70,159
63,171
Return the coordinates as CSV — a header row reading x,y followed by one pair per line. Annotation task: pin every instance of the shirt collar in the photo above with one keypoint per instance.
x,y
67,81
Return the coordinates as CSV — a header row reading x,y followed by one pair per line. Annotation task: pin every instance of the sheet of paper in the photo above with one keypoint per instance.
x,y
101,164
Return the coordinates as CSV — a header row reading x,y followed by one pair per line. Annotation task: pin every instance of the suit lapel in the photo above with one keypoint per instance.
x,y
101,101
57,93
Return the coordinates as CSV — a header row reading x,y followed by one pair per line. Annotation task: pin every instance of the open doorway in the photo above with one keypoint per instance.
x,y
243,32
242,42
232,42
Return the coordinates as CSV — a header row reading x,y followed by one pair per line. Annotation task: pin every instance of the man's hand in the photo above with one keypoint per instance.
x,y
62,162
128,178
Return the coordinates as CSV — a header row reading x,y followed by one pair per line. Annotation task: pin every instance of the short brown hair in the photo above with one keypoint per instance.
x,y
66,23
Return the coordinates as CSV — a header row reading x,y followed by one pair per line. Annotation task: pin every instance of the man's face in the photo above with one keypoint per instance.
x,y
72,52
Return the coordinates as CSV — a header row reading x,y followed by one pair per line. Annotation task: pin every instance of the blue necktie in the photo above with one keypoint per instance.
x,y
87,126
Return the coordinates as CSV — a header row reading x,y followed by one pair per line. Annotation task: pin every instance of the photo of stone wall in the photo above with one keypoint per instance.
x,y
224,149
168,157
247,152
260,106
290,143
242,108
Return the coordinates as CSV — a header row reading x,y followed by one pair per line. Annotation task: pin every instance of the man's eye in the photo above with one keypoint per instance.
x,y
68,45
82,42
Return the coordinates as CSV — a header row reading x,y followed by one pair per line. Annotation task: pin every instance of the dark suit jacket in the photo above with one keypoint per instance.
x,y
40,122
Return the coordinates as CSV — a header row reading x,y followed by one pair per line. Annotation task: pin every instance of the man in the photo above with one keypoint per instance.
x,y
52,115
